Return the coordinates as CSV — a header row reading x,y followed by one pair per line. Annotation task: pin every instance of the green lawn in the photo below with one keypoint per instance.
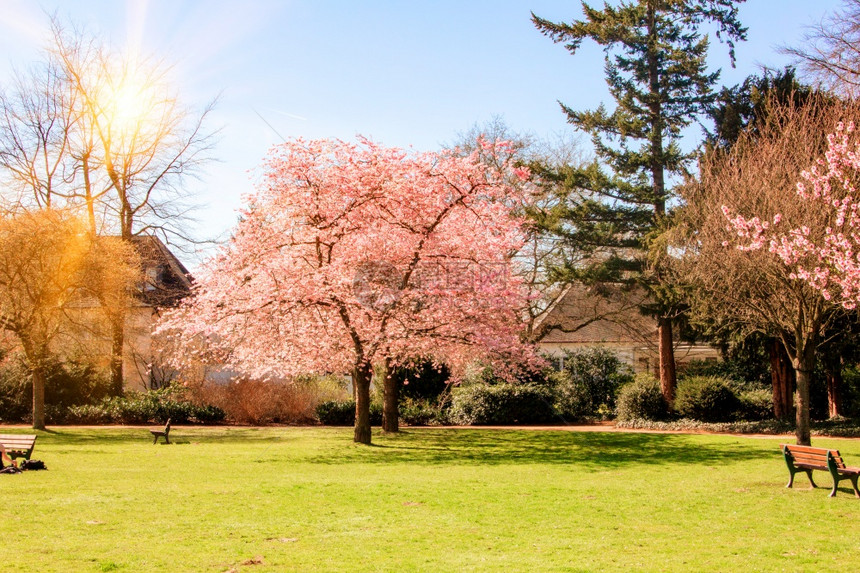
x,y
287,499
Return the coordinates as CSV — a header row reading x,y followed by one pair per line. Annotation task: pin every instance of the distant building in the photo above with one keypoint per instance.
x,y
609,317
165,281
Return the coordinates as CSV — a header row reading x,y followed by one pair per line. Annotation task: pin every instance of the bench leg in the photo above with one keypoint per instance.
x,y
166,439
809,474
790,479
154,439
835,486
854,484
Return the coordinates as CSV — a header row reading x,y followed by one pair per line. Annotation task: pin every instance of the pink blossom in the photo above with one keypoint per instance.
x,y
357,253
830,252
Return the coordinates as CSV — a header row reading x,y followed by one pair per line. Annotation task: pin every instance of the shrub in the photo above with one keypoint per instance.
x,y
93,414
851,391
750,365
265,402
342,413
755,405
641,400
336,413
154,406
503,403
67,384
422,380
588,383
16,393
419,413
706,398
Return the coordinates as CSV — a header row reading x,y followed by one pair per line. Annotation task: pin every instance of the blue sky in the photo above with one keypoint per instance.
x,y
402,72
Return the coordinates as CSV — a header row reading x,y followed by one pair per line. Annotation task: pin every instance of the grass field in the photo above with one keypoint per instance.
x,y
299,499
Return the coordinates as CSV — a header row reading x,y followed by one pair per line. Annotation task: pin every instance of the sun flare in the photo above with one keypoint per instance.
x,y
127,104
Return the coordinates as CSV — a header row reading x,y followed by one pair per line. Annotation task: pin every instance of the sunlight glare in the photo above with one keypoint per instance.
x,y
128,105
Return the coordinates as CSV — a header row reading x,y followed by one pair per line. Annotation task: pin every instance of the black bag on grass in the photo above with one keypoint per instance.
x,y
33,465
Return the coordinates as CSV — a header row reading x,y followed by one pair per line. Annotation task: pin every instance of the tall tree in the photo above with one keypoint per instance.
x,y
356,256
743,111
656,72
94,129
744,108
750,287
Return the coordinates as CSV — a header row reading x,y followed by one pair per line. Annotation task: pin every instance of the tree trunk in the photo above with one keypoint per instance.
x,y
833,374
782,380
390,399
361,380
38,398
117,345
804,363
667,360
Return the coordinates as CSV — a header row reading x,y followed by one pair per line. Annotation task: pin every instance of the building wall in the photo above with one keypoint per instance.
x,y
87,337
639,358
137,354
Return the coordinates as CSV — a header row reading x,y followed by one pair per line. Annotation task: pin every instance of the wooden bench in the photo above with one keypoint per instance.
x,y
18,445
159,433
806,459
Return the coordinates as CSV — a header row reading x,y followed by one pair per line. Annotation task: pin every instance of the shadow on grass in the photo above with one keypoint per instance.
x,y
590,449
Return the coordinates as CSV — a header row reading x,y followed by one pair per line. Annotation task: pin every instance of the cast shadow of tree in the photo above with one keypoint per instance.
x,y
592,450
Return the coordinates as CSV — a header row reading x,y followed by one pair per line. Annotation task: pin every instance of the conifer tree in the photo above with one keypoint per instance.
x,y
657,74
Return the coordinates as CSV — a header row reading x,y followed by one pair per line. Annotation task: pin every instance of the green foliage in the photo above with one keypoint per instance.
x,y
342,413
336,412
750,366
747,106
641,399
502,403
851,391
706,398
422,380
657,74
67,384
154,406
421,413
755,405
589,382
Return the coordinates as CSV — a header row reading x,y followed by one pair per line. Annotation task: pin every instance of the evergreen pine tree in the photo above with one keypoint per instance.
x,y
656,72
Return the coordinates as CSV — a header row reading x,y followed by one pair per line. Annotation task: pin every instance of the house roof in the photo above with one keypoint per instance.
x,y
166,280
595,314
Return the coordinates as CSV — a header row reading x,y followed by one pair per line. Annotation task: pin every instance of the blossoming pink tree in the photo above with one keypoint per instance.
x,y
826,257
352,255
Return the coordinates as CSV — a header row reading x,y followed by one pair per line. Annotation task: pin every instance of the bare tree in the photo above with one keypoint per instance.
x,y
95,129
830,55
542,252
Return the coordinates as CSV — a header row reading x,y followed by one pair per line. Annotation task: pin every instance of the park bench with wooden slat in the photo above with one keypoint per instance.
x,y
159,433
18,445
806,459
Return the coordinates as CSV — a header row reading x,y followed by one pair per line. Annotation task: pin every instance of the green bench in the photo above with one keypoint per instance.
x,y
18,445
806,459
